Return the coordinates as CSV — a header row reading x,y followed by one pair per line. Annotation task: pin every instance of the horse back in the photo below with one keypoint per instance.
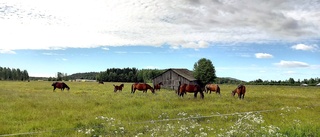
x,y
193,88
213,87
241,89
141,86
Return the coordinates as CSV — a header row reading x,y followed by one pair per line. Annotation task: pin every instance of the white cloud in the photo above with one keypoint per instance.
x,y
305,47
263,55
105,48
55,24
6,51
292,64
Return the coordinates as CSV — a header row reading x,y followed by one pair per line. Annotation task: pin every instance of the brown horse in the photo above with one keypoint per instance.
x,y
100,82
157,86
142,87
212,87
60,85
116,88
240,90
184,88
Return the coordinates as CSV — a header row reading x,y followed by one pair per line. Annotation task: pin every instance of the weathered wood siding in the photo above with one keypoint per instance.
x,y
170,80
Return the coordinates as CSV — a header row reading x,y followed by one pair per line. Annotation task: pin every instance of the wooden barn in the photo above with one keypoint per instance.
x,y
171,77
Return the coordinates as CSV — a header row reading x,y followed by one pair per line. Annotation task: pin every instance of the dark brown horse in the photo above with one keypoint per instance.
x,y
100,82
142,87
184,88
240,90
116,88
157,86
60,85
212,87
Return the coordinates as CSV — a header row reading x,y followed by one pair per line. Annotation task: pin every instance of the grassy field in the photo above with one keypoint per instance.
x,y
91,109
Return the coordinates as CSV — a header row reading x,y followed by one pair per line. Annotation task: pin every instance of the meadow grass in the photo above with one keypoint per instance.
x,y
92,109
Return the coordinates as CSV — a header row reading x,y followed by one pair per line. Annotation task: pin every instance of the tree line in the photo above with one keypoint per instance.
x,y
288,82
13,74
128,75
112,75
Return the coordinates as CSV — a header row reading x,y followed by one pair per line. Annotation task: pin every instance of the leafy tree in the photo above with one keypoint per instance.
x,y
291,81
204,71
25,75
59,76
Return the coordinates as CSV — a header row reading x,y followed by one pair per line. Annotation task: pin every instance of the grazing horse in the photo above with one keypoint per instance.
x,y
60,85
212,87
142,87
157,86
100,82
116,88
184,88
240,90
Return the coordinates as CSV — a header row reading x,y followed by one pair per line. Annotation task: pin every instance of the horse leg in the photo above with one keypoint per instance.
x,y
54,89
195,94
202,95
180,94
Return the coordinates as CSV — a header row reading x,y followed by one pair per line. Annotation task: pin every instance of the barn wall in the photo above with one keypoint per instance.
x,y
170,80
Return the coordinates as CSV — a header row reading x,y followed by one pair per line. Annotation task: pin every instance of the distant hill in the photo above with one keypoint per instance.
x,y
84,75
228,80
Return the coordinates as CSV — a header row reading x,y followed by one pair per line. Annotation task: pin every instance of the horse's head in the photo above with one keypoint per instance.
x,y
152,90
54,83
121,85
233,92
160,83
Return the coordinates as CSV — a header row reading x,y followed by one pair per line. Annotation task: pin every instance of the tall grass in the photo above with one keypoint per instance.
x,y
91,109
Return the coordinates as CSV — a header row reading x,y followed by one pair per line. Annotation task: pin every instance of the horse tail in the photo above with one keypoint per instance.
x,y
152,89
244,89
179,88
132,88
218,89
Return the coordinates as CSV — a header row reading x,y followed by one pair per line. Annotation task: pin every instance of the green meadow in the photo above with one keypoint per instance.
x,y
92,109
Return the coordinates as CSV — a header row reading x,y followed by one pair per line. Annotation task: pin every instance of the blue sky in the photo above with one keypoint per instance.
x,y
247,40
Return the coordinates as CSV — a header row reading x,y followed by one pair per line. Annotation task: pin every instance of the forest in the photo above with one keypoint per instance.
x,y
13,74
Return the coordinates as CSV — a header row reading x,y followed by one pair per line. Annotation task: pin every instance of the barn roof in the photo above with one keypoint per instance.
x,y
184,73
181,72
